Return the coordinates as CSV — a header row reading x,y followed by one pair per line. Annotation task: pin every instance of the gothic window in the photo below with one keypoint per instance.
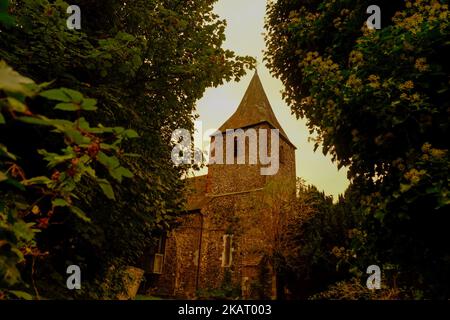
x,y
212,148
227,253
235,144
158,262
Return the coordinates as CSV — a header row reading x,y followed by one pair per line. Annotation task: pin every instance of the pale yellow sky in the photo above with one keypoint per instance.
x,y
245,28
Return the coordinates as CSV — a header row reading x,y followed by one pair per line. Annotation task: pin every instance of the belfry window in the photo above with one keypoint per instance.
x,y
235,145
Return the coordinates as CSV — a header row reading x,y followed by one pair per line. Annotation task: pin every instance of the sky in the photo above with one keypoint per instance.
x,y
245,36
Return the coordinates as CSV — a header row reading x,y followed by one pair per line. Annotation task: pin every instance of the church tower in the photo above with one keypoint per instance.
x,y
243,212
254,114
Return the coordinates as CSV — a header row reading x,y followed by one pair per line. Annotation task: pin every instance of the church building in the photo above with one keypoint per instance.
x,y
231,225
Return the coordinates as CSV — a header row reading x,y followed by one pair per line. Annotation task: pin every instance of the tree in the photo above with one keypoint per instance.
x,y
378,101
315,228
146,63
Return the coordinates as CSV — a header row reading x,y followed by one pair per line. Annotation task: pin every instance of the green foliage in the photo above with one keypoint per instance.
x,y
307,263
29,205
228,290
378,102
355,289
5,18
143,65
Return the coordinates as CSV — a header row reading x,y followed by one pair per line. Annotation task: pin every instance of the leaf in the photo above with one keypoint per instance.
x,y
59,203
125,172
42,121
36,180
125,36
56,94
105,146
76,96
54,159
18,253
379,215
90,171
110,163
35,209
83,124
404,187
80,214
23,230
3,176
12,81
67,106
17,105
106,188
89,104
118,130
77,137
2,119
21,294
44,85
4,152
132,155
12,276
130,133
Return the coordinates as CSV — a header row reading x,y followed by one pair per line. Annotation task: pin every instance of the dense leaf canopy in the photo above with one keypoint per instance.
x,y
378,102
145,63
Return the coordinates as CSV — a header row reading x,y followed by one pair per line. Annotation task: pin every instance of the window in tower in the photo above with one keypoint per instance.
x,y
227,254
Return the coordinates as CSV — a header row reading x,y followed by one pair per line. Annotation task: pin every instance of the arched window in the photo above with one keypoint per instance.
x,y
227,253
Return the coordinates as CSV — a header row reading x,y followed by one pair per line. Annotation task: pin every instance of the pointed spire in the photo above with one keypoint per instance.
x,y
254,109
